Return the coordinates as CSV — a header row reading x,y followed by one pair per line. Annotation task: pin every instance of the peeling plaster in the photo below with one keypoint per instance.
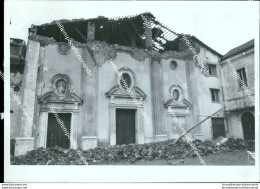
x,y
101,51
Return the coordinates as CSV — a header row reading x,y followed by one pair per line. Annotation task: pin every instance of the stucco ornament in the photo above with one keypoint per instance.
x,y
177,101
61,86
176,93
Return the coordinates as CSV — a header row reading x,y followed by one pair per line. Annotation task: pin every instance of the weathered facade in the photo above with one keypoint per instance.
x,y
17,62
240,109
97,110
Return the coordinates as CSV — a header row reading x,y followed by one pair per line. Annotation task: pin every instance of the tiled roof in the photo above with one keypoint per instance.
x,y
209,48
239,49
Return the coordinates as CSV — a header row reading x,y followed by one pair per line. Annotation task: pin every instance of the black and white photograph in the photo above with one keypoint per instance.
x,y
134,91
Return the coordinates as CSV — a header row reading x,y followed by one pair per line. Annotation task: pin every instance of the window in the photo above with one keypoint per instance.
x,y
64,48
214,95
173,65
126,77
242,74
212,69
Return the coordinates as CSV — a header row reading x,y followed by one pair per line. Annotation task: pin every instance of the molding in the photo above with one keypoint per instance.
x,y
184,104
118,93
50,97
131,75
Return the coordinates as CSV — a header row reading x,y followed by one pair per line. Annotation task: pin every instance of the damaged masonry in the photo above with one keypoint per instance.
x,y
97,111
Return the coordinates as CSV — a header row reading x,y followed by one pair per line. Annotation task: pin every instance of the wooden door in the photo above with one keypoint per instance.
x,y
218,127
248,122
55,134
125,126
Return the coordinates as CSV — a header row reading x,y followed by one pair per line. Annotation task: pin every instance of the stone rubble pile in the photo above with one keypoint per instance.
x,y
133,152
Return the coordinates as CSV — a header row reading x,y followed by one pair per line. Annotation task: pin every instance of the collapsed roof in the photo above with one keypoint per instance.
x,y
17,51
124,31
17,55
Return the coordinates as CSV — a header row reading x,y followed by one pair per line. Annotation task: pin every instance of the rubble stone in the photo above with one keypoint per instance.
x,y
131,153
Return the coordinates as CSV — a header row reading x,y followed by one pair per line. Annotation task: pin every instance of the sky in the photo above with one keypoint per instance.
x,y
220,25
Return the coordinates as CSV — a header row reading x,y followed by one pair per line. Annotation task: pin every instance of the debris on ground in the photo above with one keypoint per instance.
x,y
132,152
220,140
59,149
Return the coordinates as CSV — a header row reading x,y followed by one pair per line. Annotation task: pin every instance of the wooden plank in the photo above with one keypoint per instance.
x,y
80,34
217,112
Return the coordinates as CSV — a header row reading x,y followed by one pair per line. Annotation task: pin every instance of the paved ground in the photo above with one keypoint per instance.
x,y
230,158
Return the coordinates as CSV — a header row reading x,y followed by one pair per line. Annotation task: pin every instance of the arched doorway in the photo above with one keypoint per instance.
x,y
248,123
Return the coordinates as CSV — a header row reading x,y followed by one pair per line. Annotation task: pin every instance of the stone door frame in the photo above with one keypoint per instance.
x,y
58,108
139,120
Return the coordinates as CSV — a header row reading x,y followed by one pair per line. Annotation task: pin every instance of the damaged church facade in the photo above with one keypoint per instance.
x,y
97,110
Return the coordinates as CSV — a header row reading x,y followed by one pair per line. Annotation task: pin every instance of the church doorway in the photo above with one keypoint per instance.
x,y
125,126
55,134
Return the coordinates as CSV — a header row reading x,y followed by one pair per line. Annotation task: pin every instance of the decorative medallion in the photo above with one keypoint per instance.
x,y
64,48
177,103
61,86
176,93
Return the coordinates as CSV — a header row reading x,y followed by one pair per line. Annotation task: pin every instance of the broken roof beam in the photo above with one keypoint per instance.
x,y
159,42
161,39
159,30
80,34
137,33
162,25
154,48
169,36
158,45
157,49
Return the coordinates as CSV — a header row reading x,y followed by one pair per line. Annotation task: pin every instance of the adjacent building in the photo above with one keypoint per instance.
x,y
240,109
